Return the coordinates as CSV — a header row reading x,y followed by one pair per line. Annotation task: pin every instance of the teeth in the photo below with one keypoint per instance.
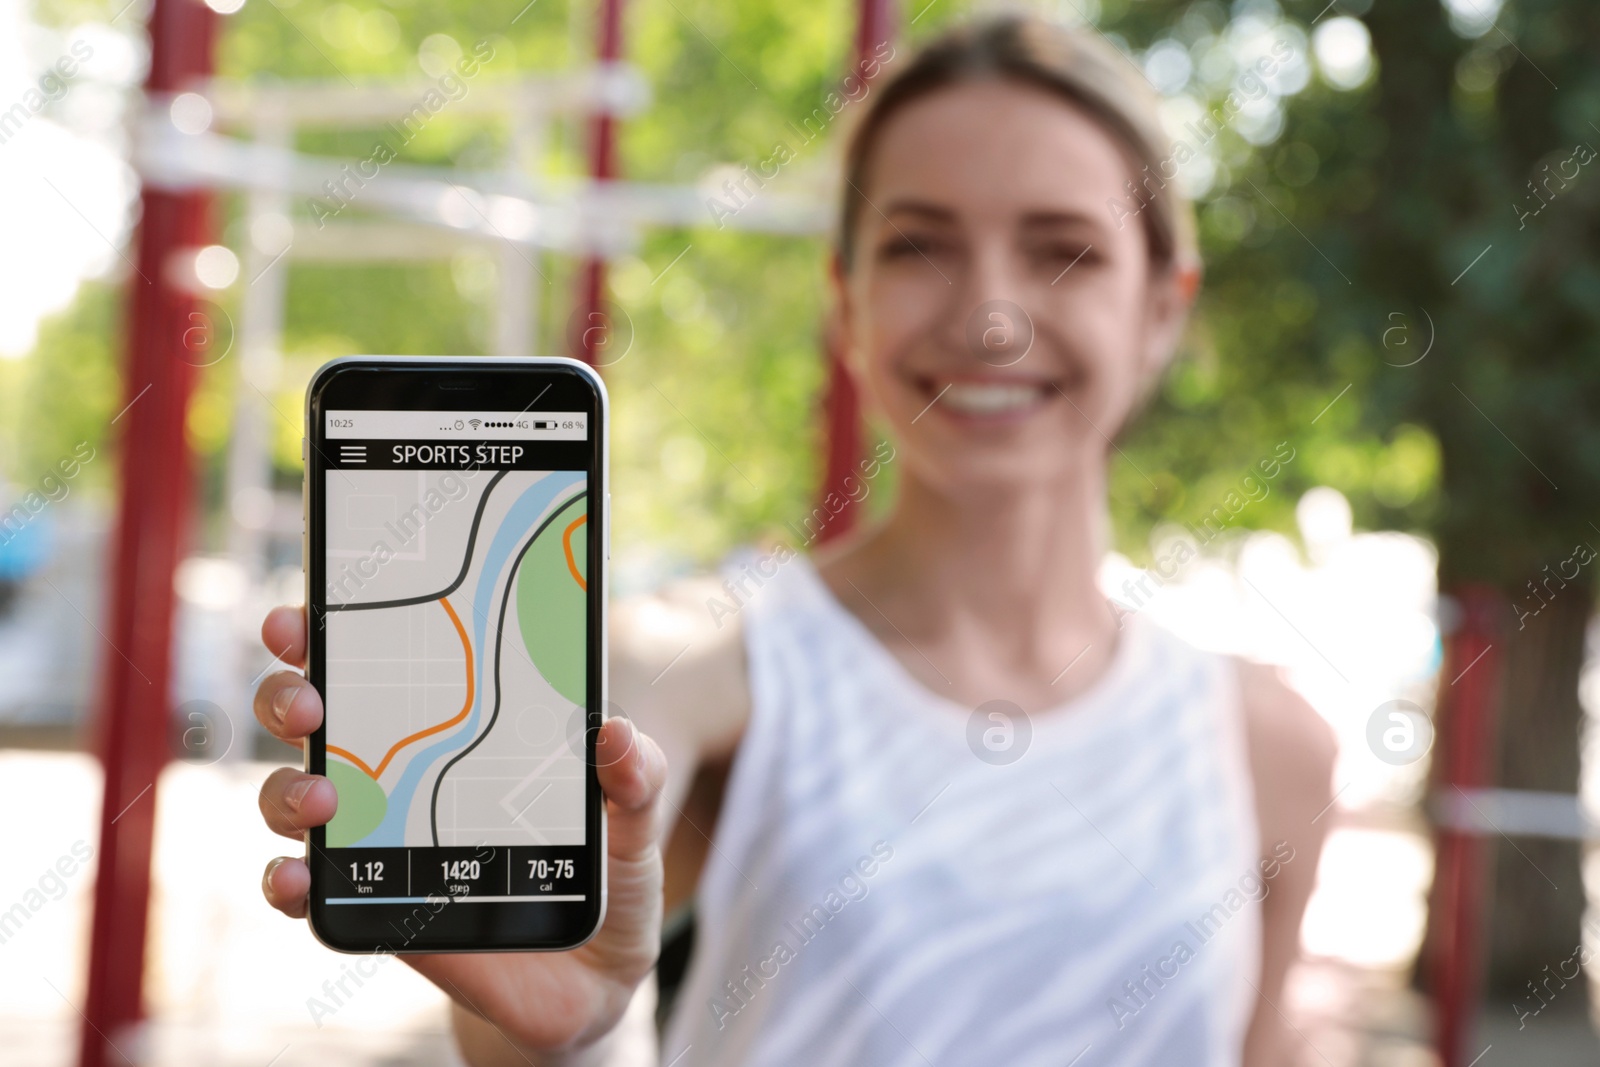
x,y
988,399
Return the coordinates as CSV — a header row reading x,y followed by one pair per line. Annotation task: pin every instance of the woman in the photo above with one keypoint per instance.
x,y
934,800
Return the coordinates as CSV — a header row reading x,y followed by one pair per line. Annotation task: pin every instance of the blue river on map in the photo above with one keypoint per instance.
x,y
523,517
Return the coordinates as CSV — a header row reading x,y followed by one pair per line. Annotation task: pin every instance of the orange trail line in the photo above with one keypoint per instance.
x,y
335,750
466,644
566,543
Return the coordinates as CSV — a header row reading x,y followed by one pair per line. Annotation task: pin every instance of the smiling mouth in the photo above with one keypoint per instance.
x,y
987,398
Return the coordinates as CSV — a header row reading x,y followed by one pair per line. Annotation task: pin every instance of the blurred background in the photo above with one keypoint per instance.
x,y
1401,296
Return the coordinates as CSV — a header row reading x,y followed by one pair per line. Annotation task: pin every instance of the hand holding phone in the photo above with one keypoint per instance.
x,y
456,543
455,554
540,1000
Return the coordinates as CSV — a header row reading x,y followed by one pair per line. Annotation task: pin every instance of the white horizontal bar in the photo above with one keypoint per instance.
x,y
601,218
1515,813
615,88
513,899
454,900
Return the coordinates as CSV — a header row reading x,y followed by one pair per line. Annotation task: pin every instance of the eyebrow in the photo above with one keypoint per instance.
x,y
934,212
923,208
1060,218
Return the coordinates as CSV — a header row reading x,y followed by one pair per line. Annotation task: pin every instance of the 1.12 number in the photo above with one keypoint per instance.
x,y
374,871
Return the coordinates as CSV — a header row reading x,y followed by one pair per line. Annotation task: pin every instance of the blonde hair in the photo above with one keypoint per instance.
x,y
1076,66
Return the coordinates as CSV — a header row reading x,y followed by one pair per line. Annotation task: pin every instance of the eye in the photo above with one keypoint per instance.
x,y
1070,253
899,248
912,246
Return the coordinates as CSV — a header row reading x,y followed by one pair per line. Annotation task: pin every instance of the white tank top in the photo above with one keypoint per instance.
x,y
878,894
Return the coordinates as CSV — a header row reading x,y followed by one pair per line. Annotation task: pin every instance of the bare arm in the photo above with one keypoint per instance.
x,y
679,673
1292,751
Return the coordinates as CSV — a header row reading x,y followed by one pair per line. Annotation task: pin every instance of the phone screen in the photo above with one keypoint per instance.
x,y
455,664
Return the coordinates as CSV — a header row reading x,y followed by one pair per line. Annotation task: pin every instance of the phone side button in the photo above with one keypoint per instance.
x,y
608,526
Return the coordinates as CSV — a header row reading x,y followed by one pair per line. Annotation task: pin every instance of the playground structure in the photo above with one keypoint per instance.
x,y
426,213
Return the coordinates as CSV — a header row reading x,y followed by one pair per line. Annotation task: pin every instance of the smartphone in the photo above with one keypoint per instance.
x,y
456,535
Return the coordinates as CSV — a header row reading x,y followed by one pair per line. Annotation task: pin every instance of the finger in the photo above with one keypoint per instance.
x,y
288,706
286,884
292,801
284,634
633,772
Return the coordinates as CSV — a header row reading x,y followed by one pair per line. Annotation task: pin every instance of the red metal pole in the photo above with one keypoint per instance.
x,y
602,167
131,729
841,404
1467,711
874,26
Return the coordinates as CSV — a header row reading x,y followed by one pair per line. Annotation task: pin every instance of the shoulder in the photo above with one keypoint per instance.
x,y
1291,748
677,666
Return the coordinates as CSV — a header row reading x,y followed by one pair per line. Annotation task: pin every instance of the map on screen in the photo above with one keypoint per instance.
x,y
455,655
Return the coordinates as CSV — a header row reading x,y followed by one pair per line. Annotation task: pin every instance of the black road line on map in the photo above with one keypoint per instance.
x,y
499,630
466,562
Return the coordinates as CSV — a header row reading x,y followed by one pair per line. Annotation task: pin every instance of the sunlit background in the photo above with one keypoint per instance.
x,y
1307,336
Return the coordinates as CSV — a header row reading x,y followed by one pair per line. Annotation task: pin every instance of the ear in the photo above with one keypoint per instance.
x,y
1172,295
839,327
1189,274
839,333
839,287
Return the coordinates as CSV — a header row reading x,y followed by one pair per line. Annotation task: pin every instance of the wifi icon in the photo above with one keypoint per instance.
x,y
474,423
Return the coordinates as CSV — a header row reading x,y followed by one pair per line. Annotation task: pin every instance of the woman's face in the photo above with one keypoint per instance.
x,y
997,316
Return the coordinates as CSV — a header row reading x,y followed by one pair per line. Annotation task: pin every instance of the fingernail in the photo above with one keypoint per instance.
x,y
295,794
266,879
281,701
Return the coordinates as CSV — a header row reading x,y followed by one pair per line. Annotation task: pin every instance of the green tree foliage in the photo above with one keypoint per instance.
x,y
67,391
717,429
1512,385
1267,362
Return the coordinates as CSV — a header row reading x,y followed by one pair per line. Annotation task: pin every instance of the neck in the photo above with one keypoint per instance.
x,y
1018,564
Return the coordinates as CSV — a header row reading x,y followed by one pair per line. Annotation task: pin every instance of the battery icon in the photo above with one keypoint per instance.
x,y
544,426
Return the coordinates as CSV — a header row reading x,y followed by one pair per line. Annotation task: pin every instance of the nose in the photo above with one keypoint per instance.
x,y
987,319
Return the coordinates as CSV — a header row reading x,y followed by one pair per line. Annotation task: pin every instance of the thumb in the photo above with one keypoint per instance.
x,y
633,773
